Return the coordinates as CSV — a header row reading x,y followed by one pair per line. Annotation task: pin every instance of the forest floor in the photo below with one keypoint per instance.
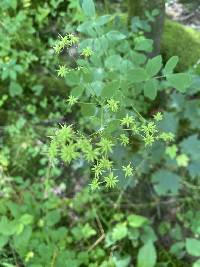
x,y
186,14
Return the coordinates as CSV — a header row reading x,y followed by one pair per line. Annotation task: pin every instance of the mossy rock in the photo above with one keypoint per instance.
x,y
183,42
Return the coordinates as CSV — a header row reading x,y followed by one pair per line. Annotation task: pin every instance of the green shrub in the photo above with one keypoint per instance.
x,y
181,41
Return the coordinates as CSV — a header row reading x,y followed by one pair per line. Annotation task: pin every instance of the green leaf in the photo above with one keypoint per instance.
x,y
53,217
19,228
193,247
14,4
103,20
191,111
88,109
5,264
26,219
86,27
7,227
113,62
170,65
95,87
122,261
181,81
77,91
88,8
119,232
177,248
115,36
196,264
138,58
194,169
137,75
3,241
15,89
144,45
154,65
147,255
166,182
110,89
151,88
191,147
166,124
136,221
21,241
155,12
88,231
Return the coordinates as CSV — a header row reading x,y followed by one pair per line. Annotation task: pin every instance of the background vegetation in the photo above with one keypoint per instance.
x,y
105,85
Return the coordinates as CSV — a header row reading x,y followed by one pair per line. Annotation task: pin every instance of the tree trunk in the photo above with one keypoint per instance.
x,y
138,8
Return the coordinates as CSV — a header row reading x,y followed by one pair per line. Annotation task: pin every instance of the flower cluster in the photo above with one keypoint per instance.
x,y
98,148
65,42
69,145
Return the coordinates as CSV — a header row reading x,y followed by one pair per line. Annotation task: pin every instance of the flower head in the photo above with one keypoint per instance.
x,y
127,121
95,184
113,105
87,52
63,70
128,170
111,180
72,100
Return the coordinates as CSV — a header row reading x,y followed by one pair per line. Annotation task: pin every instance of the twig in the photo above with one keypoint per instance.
x,y
102,234
97,242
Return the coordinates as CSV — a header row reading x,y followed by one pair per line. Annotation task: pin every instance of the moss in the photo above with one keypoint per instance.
x,y
181,41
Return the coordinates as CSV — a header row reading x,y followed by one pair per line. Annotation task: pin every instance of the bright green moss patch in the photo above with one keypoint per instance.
x,y
181,41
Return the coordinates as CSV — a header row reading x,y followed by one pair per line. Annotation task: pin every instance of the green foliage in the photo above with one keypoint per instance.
x,y
147,252
181,41
118,183
166,182
106,43
193,247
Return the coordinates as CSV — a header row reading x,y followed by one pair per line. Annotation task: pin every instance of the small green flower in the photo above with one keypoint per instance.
x,y
62,43
87,52
105,163
148,140
158,116
95,184
149,128
124,139
73,39
113,105
84,144
135,129
65,134
69,153
97,169
63,70
105,145
57,48
128,170
111,180
167,137
72,100
91,154
127,121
